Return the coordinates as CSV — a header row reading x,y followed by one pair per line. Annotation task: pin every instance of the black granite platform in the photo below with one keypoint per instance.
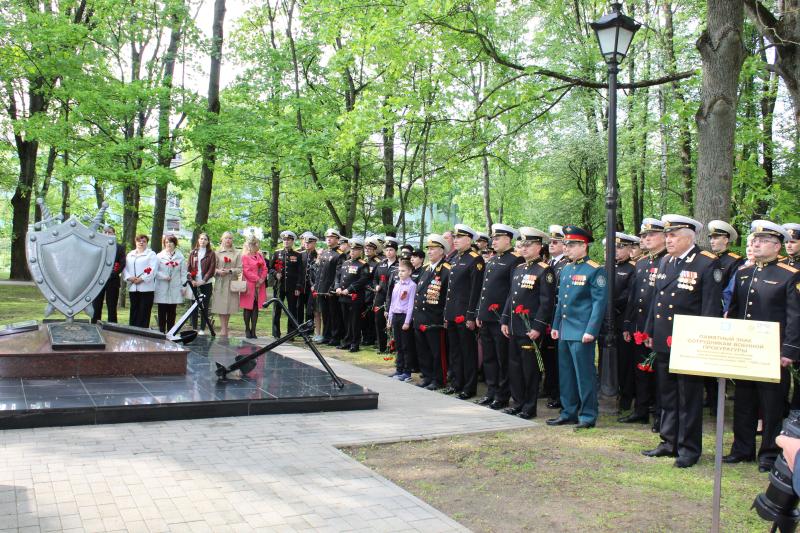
x,y
277,385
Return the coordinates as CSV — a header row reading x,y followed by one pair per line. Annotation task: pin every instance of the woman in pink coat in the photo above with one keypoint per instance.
x,y
254,272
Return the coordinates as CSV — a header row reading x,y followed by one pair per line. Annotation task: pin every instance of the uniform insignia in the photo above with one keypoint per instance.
x,y
735,256
550,278
515,254
362,261
601,281
797,287
479,266
708,254
446,265
717,275
787,267
473,253
592,264
543,264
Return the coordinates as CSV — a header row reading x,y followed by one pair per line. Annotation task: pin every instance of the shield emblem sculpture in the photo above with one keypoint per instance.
x,y
70,262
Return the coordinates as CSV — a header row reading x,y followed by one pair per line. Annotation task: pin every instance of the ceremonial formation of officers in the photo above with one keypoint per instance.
x,y
527,308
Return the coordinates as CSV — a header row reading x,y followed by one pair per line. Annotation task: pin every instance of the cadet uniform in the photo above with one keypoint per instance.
x,y
429,317
550,346
768,291
529,306
495,289
640,299
308,258
372,248
793,230
581,306
464,289
685,285
380,281
288,266
328,267
353,278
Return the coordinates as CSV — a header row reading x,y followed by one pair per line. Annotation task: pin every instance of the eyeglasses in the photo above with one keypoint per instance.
x,y
765,240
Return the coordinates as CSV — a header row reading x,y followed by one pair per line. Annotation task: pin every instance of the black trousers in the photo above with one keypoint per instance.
x,y
110,294
681,410
380,329
303,311
771,398
368,324
462,346
351,311
495,361
524,373
291,304
626,368
206,290
550,357
141,307
404,344
331,318
166,316
647,398
429,352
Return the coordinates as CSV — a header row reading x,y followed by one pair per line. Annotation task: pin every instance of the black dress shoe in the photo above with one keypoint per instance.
x,y
512,410
554,404
656,426
450,390
497,404
354,349
764,467
584,425
734,458
433,386
343,347
423,383
560,421
464,395
682,462
634,419
486,400
527,415
662,450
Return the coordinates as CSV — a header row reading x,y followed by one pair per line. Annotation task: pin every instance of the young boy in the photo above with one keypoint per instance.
x,y
401,306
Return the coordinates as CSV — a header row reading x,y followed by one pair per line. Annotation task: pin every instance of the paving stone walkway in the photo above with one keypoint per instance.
x,y
260,473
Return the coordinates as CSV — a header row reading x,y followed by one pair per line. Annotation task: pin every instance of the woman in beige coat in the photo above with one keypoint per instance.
x,y
229,267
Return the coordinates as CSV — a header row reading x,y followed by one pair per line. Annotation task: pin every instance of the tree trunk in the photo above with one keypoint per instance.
x,y
99,193
769,90
210,149
274,203
65,190
387,213
165,142
487,208
722,51
48,175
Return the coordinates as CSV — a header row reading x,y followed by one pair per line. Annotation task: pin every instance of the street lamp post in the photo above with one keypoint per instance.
x,y
614,33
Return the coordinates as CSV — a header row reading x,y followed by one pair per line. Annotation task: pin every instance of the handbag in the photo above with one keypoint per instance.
x,y
238,285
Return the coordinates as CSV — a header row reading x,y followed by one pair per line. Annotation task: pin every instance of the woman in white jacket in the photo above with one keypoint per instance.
x,y
170,276
141,265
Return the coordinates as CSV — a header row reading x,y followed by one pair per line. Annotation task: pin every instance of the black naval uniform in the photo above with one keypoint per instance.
x,y
368,324
429,321
289,285
110,291
791,260
688,286
640,299
305,303
625,357
328,267
464,289
768,292
550,346
353,277
380,281
496,286
533,286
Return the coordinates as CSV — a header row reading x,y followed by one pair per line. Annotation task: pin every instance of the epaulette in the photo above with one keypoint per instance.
x,y
515,254
340,252
632,262
446,265
788,267
542,264
361,260
473,253
709,254
734,255
592,264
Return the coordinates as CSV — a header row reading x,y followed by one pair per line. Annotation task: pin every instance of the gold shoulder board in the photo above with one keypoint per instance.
x,y
592,264
708,254
787,267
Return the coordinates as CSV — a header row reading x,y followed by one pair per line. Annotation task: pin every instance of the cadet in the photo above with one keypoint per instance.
x,y
792,244
463,291
635,322
481,242
429,313
625,272
688,283
380,282
767,291
306,305
550,347
526,318
576,324
329,262
350,288
495,289
372,250
287,264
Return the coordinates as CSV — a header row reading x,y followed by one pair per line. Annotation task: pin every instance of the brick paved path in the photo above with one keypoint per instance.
x,y
259,473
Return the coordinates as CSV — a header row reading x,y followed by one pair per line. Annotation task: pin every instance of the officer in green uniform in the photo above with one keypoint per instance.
x,y
578,317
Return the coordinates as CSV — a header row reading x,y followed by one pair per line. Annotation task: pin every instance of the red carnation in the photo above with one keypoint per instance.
x,y
639,337
525,312
193,273
423,328
278,265
518,309
459,319
116,267
669,341
494,307
314,293
226,259
376,309
644,367
383,278
354,297
148,270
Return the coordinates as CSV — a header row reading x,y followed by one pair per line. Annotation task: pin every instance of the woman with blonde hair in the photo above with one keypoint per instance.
x,y
254,272
229,267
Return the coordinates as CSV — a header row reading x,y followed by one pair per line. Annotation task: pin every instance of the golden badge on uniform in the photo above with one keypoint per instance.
x,y
550,277
479,266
